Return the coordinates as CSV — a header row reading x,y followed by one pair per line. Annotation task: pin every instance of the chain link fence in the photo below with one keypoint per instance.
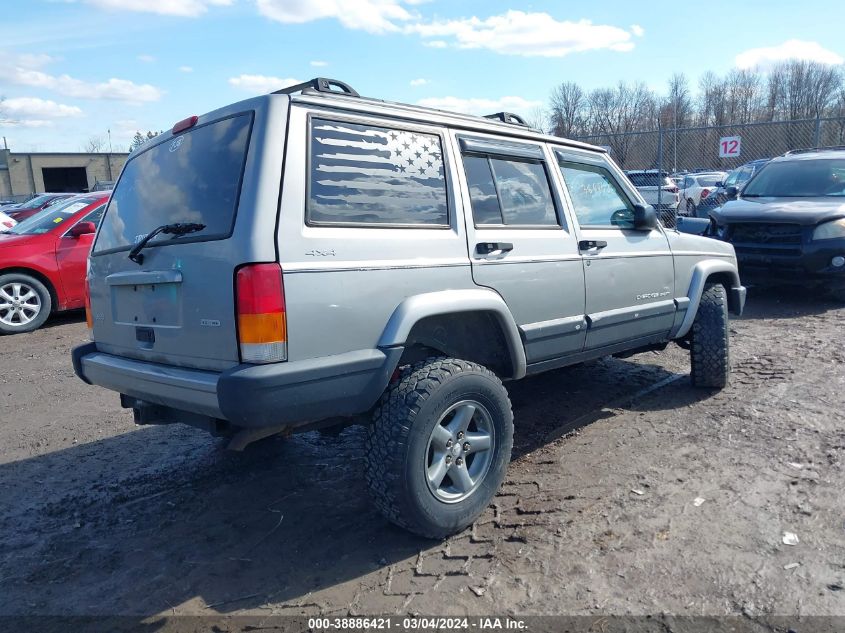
x,y
716,148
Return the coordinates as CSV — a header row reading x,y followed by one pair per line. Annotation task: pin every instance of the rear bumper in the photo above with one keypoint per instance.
x,y
249,396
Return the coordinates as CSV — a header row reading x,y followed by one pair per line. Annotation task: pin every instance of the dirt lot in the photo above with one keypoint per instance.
x,y
597,516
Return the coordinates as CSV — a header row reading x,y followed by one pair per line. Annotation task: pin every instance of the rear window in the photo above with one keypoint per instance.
x,y
195,177
647,180
708,181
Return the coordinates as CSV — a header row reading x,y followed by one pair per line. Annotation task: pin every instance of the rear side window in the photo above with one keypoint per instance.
x,y
195,177
371,175
509,192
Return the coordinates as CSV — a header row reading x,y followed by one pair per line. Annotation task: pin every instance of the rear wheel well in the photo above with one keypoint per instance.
x,y
473,336
40,277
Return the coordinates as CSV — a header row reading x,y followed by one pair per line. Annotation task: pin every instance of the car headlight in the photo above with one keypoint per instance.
x,y
830,230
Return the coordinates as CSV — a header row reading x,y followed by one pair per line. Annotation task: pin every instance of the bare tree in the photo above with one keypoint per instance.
x,y
538,119
568,110
94,145
615,112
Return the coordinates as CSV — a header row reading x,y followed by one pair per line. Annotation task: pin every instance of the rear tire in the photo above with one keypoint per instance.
x,y
25,303
709,345
422,469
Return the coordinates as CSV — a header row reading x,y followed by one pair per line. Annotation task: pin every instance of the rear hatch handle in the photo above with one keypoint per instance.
x,y
175,229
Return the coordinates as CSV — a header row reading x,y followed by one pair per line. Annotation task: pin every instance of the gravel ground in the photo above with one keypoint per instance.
x,y
629,493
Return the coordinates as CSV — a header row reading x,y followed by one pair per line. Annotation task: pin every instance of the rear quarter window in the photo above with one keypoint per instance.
x,y
372,175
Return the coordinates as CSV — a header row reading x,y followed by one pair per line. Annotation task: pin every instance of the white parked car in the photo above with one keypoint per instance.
x,y
696,187
653,185
6,222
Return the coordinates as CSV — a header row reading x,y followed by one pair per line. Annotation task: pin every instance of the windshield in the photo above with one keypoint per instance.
x,y
34,203
192,178
809,178
709,181
50,218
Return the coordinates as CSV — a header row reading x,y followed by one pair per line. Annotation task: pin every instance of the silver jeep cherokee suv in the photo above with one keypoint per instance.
x,y
312,255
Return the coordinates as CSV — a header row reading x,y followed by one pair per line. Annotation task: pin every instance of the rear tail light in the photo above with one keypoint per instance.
x,y
705,193
262,326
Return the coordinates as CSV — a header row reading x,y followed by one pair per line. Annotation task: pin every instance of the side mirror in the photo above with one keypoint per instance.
x,y
645,218
694,226
732,192
82,228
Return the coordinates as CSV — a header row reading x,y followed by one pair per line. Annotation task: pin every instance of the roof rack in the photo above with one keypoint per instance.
x,y
805,150
507,117
319,84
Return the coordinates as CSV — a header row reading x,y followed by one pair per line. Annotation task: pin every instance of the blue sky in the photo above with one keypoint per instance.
x,y
73,69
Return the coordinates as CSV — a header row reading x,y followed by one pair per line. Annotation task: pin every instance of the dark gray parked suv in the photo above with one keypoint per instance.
x,y
788,223
312,256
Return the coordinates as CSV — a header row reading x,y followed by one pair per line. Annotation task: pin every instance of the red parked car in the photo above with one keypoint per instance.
x,y
43,259
24,210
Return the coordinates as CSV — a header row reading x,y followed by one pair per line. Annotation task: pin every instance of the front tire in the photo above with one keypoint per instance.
x,y
25,303
439,446
709,345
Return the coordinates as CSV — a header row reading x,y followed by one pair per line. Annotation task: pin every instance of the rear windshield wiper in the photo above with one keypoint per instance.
x,y
175,229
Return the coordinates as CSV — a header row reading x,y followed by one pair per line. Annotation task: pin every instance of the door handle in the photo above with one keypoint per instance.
x,y
493,248
591,245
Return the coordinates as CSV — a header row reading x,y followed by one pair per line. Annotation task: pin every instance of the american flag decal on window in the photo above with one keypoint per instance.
x,y
372,174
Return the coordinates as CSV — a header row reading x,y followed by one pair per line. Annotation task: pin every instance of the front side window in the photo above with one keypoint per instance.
x,y
597,200
509,192
371,175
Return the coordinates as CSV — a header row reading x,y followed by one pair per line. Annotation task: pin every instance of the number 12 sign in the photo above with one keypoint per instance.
x,y
730,146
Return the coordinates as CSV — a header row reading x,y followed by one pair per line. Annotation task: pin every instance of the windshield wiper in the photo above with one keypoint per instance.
x,y
175,229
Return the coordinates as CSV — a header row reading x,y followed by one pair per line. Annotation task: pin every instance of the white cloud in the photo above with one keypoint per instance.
x,y
791,49
527,34
25,71
419,82
480,106
30,112
373,16
30,123
147,59
186,69
319,64
436,44
181,8
261,84
637,30
39,108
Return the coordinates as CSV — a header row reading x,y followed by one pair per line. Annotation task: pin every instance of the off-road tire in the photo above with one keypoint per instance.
x,y
46,303
398,438
709,344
